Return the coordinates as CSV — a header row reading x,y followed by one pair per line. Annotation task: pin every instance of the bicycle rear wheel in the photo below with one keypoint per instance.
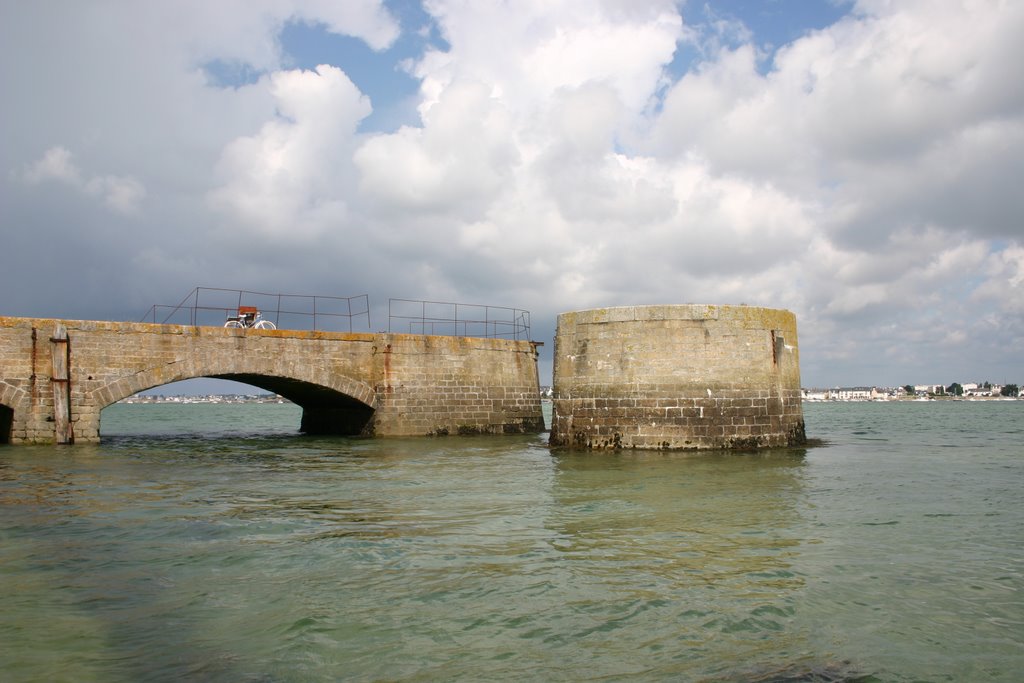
x,y
265,325
233,323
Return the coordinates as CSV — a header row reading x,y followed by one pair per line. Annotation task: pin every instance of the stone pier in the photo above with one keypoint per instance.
x,y
677,377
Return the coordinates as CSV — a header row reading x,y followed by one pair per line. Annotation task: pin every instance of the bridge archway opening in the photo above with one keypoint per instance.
x,y
324,410
6,420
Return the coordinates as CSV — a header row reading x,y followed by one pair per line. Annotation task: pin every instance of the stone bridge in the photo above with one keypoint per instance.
x,y
57,375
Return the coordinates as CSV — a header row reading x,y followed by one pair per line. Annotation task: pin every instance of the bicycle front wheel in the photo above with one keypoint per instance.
x,y
265,325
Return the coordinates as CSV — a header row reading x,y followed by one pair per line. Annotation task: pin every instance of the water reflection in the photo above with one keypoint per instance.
x,y
703,543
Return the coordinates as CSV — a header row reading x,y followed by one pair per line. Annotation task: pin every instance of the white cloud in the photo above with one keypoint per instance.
x,y
1003,284
246,30
120,194
529,50
457,161
287,180
865,177
123,194
369,20
55,164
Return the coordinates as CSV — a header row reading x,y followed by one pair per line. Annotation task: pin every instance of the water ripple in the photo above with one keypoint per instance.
x,y
249,556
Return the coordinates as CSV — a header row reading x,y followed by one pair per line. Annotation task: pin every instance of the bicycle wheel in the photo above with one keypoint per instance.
x,y
265,325
233,323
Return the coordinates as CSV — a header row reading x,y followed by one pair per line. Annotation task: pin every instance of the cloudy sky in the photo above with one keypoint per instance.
x,y
859,163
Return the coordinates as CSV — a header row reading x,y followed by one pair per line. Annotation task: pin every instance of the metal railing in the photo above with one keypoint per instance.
x,y
452,319
212,306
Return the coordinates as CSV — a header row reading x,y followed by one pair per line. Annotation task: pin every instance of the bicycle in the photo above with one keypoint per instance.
x,y
249,317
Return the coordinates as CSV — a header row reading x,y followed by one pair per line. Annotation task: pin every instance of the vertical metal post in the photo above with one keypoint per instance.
x,y
60,377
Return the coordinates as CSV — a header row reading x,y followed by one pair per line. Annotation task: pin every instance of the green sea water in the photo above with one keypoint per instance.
x,y
212,543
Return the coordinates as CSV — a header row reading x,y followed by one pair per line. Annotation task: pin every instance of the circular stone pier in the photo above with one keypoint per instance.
x,y
677,377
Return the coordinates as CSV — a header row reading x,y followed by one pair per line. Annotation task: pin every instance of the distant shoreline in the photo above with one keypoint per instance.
x,y
937,399
209,398
272,398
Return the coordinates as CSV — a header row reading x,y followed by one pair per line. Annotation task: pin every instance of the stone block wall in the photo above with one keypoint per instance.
x,y
456,385
677,377
25,381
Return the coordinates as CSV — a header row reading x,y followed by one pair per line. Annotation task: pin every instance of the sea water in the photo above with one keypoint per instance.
x,y
213,543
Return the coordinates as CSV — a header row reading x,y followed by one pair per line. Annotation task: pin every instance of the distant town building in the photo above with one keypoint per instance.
x,y
971,390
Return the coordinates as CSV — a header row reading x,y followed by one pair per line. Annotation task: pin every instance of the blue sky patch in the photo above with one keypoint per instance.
x,y
230,74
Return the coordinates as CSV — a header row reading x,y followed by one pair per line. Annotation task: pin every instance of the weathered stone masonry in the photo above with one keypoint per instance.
x,y
677,377
370,384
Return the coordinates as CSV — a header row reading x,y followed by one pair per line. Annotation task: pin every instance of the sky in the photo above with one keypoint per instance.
x,y
859,163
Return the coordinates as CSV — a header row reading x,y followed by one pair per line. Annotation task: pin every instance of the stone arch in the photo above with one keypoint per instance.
x,y
6,423
331,403
12,399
